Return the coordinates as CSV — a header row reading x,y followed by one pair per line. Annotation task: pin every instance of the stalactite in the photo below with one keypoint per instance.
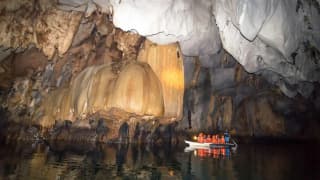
x,y
166,61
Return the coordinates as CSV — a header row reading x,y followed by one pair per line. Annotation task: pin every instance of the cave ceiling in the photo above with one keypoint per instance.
x,y
276,39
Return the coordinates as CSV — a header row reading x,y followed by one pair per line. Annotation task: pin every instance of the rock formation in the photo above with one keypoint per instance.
x,y
148,71
24,23
166,61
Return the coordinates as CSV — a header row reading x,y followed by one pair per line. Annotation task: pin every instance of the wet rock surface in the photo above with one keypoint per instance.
x,y
73,76
40,23
91,88
221,95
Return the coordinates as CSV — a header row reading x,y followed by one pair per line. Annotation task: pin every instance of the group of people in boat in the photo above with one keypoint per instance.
x,y
215,139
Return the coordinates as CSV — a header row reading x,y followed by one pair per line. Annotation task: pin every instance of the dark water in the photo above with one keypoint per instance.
x,y
38,161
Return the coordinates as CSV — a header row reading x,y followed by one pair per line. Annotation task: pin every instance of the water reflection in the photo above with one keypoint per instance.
x,y
215,153
67,161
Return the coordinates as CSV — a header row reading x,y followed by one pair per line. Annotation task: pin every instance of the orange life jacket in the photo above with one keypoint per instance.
x,y
204,138
200,137
208,140
222,140
214,139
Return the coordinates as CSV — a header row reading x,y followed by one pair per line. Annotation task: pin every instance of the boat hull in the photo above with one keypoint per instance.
x,y
209,145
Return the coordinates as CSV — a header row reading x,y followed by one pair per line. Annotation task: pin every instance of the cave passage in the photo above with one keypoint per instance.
x,y
114,82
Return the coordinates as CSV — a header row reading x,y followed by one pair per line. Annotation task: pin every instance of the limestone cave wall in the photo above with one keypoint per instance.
x,y
220,95
88,76
67,72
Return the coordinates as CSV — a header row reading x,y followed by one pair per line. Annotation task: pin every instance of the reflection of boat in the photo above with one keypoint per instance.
x,y
197,145
211,149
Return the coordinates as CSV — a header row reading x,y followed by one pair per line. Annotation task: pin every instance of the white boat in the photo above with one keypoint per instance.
x,y
197,145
